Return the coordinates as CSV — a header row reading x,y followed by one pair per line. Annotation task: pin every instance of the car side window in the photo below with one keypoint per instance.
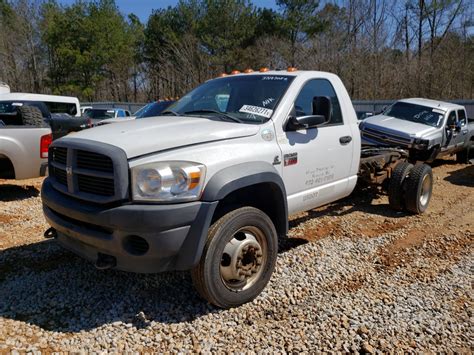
x,y
451,119
462,117
120,113
318,87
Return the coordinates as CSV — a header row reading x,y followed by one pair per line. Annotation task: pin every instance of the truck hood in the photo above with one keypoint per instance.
x,y
154,134
397,126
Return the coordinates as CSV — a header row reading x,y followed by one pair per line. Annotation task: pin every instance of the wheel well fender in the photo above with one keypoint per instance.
x,y
256,184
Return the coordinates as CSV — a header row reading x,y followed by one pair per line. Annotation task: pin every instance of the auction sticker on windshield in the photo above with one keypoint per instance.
x,y
255,110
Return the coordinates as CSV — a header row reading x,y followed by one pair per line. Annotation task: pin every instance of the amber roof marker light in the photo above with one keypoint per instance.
x,y
248,70
221,75
291,69
233,72
264,70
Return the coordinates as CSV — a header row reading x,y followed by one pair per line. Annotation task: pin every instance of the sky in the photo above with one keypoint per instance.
x,y
143,8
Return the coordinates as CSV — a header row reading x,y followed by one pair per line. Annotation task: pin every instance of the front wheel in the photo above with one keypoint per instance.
x,y
238,258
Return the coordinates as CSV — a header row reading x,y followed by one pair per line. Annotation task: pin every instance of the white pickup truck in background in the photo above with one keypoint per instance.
x,y
25,134
24,148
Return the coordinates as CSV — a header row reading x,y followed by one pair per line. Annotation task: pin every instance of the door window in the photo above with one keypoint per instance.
x,y
462,117
318,87
451,119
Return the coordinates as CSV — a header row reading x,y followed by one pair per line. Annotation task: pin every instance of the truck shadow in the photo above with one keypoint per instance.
x,y
45,285
48,286
16,193
462,177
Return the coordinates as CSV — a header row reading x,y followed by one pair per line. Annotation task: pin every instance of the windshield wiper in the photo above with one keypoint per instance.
x,y
221,114
174,113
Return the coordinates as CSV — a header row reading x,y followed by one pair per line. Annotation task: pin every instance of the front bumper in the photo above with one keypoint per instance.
x,y
175,233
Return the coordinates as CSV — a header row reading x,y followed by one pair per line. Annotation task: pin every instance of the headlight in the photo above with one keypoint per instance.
x,y
172,181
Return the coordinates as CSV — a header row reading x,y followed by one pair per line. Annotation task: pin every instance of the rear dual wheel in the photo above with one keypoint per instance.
x,y
410,187
419,189
238,258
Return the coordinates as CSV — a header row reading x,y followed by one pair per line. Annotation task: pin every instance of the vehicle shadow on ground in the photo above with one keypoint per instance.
x,y
15,192
48,286
462,177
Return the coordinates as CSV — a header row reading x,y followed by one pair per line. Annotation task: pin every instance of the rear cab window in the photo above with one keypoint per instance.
x,y
62,107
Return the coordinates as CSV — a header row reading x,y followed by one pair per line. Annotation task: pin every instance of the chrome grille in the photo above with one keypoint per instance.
x,y
385,137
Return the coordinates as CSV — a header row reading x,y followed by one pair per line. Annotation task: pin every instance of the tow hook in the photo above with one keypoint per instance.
x,y
51,233
105,261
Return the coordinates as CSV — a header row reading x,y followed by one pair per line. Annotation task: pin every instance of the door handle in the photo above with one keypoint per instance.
x,y
345,139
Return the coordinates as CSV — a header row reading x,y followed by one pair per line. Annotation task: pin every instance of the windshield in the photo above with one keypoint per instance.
x,y
416,113
153,109
98,113
246,98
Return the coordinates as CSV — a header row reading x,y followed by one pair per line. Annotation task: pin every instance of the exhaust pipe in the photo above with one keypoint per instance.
x,y
105,262
50,233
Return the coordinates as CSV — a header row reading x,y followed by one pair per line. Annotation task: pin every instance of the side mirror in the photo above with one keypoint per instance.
x,y
305,122
322,110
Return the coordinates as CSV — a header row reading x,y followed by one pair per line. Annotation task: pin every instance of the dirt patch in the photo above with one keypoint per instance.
x,y
4,218
373,228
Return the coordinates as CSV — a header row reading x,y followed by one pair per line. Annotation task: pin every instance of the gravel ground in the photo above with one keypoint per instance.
x,y
353,276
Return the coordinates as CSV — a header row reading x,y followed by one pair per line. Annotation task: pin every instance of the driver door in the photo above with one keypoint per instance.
x,y
454,134
316,161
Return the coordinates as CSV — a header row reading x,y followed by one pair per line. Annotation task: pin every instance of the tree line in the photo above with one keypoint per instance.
x,y
382,49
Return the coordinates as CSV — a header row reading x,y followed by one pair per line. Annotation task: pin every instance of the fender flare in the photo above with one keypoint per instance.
x,y
243,175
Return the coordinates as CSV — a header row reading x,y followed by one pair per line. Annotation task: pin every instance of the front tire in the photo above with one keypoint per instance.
x,y
238,258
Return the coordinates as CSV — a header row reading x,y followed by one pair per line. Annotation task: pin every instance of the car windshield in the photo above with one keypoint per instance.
x,y
416,113
153,109
243,98
99,113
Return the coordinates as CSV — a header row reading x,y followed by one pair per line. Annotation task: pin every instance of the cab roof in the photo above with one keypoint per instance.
x,y
297,73
38,97
442,105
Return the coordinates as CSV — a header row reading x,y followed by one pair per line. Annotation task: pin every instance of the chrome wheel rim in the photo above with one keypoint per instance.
x,y
425,190
243,259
